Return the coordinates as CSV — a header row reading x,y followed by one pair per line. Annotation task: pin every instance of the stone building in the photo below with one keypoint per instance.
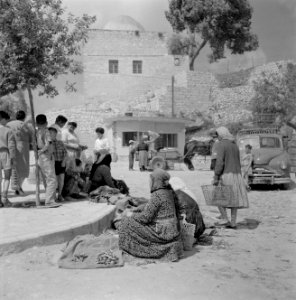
x,y
126,65
122,129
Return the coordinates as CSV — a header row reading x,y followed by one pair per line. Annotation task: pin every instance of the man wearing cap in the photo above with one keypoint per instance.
x,y
131,154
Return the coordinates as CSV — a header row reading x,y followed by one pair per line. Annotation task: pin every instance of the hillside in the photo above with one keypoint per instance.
x,y
232,93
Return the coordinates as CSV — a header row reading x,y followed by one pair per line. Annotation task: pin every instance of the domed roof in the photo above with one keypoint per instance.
x,y
124,23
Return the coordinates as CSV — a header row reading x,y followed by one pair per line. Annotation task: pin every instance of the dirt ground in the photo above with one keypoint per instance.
x,y
256,261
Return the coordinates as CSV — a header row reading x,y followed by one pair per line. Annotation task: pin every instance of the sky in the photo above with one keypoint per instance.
x,y
274,21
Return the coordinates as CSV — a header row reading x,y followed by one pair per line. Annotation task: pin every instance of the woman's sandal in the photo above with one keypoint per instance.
x,y
229,226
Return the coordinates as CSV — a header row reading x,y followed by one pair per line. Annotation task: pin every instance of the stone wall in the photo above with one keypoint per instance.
x,y
232,94
220,96
126,46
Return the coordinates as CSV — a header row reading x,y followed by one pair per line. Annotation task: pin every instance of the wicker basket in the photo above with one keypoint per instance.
x,y
221,195
187,234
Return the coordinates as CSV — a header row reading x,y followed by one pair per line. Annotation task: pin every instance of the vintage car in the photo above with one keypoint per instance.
x,y
271,163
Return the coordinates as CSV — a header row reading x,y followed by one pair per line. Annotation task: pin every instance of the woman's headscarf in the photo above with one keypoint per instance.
x,y
178,184
159,180
106,161
224,133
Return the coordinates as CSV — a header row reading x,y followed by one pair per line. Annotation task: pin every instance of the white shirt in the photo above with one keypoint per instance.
x,y
59,131
102,144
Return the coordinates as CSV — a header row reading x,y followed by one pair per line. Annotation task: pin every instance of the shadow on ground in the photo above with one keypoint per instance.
x,y
248,224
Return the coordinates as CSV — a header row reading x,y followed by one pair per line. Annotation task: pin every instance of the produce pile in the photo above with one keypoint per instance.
x,y
79,257
107,258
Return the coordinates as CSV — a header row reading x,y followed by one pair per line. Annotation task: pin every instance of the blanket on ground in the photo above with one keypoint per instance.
x,y
91,252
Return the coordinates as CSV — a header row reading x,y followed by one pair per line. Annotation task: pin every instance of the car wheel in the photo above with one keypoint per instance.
x,y
158,162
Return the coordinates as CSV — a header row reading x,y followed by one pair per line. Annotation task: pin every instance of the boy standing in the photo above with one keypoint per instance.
x,y
246,165
60,154
46,160
7,156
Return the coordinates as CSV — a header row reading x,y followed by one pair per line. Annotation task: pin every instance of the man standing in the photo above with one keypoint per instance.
x,y
7,156
59,124
131,154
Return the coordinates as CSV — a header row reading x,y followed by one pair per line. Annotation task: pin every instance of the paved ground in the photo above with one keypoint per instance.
x,y
21,228
257,261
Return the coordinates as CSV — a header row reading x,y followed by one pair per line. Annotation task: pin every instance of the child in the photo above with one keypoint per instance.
x,y
7,156
75,180
60,155
46,160
246,165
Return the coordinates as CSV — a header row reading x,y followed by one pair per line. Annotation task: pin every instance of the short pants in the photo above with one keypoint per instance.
x,y
5,162
58,168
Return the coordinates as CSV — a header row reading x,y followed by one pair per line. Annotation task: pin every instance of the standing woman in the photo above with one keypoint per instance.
x,y
228,169
23,137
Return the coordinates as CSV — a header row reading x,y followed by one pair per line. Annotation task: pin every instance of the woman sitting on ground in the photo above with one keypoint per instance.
x,y
75,180
154,232
101,174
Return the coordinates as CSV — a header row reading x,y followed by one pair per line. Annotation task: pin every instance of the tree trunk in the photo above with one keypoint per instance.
x,y
191,63
195,55
34,146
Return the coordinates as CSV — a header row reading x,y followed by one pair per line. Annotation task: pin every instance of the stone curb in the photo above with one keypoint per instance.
x,y
95,226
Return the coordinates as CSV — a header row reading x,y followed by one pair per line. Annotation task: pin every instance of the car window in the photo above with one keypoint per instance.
x,y
270,142
253,141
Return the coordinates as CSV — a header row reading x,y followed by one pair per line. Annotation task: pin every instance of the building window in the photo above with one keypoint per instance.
x,y
127,136
113,66
168,140
137,66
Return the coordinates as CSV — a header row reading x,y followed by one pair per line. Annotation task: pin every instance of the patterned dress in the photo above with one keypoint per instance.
x,y
153,233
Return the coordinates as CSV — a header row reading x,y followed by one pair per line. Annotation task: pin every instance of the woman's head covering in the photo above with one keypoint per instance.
x,y
224,133
178,184
106,161
213,132
159,180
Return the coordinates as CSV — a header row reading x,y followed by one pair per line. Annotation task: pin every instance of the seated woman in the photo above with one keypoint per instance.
x,y
100,174
154,232
188,206
75,180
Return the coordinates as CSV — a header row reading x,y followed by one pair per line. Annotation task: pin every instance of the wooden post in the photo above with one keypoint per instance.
x,y
173,96
34,145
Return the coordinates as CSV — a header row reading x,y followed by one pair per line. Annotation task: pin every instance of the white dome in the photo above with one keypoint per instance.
x,y
124,23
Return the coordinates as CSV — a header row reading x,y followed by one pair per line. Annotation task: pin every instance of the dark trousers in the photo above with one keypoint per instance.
x,y
187,161
131,158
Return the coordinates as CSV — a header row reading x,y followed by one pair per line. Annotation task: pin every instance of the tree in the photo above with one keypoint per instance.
x,y
13,103
275,92
37,44
219,23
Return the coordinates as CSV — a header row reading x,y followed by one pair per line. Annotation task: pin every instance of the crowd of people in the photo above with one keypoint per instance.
x,y
151,230
62,170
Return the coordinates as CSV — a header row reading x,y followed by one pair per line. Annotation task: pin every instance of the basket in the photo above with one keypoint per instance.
x,y
187,234
221,195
